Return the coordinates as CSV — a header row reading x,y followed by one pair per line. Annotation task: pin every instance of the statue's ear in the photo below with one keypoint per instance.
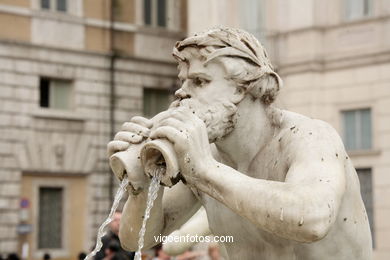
x,y
239,95
267,87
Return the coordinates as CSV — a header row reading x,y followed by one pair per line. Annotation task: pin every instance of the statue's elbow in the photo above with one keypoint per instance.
x,y
315,232
128,242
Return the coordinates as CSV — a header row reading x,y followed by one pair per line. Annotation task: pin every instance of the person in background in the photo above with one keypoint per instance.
x,y
46,256
111,242
214,253
82,256
190,255
159,253
113,252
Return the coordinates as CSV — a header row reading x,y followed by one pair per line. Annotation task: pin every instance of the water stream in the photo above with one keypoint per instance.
x,y
102,232
152,195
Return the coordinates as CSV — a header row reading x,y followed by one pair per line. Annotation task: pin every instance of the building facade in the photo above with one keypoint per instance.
x,y
71,72
334,59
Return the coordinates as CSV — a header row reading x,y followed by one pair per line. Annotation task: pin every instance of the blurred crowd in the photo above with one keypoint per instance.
x,y
112,250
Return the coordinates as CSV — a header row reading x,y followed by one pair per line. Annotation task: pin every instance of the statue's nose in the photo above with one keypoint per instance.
x,y
182,94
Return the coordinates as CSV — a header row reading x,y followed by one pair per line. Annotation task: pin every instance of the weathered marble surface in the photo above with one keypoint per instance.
x,y
279,182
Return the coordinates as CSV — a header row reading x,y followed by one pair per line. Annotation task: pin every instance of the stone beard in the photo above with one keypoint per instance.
x,y
220,118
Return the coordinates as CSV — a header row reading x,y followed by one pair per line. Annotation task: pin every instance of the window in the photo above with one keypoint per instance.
x,y
357,129
355,9
45,4
55,93
155,13
252,15
57,5
365,178
50,218
155,101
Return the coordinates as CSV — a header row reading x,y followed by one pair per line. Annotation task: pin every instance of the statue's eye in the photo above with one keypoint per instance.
x,y
199,82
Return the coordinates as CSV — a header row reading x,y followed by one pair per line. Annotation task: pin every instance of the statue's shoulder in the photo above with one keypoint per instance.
x,y
304,131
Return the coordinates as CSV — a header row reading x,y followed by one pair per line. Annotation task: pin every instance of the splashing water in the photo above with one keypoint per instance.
x,y
102,232
152,195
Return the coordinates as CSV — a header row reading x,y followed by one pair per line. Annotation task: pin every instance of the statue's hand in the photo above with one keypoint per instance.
x,y
133,132
189,137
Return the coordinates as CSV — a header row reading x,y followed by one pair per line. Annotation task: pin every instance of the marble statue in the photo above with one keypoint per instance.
x,y
196,225
279,182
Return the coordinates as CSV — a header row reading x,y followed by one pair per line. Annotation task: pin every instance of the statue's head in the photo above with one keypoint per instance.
x,y
245,59
218,69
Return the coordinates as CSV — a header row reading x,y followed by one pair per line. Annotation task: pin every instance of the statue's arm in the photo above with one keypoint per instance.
x,y
173,207
303,208
197,225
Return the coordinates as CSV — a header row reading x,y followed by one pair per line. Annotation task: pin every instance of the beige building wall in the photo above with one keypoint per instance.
x,y
62,147
30,135
8,32
97,9
23,3
74,212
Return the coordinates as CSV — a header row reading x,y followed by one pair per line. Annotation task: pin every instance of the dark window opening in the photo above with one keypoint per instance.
x,y
155,101
45,4
161,13
357,9
155,13
365,179
55,93
148,12
357,125
44,87
61,5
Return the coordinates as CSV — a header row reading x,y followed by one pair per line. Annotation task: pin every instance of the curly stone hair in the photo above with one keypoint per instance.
x,y
256,75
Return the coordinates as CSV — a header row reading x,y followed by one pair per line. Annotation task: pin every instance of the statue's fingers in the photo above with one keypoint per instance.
x,y
188,116
179,125
163,115
172,134
128,137
142,121
136,128
184,114
116,146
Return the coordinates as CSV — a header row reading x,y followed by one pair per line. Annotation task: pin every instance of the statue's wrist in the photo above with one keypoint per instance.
x,y
204,178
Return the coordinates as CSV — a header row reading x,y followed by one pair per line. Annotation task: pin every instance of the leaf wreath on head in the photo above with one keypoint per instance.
x,y
229,42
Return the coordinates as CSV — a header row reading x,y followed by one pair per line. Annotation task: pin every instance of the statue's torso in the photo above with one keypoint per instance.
x,y
349,237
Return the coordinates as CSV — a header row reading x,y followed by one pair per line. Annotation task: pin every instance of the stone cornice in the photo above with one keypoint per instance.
x,y
87,59
86,21
272,35
321,65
